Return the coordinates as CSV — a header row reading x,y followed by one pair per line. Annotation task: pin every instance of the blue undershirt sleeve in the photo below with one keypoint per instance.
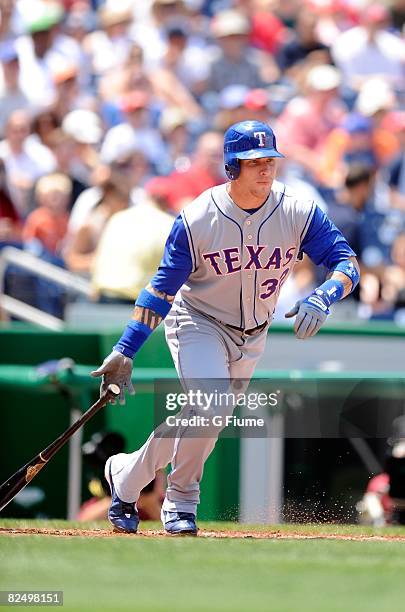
x,y
176,265
324,243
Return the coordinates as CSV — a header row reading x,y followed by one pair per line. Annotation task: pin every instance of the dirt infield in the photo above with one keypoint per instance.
x,y
202,533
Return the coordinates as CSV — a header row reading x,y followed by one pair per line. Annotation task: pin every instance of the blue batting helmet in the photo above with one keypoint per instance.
x,y
247,140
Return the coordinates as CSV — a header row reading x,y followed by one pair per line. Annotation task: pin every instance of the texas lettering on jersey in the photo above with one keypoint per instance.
x,y
229,260
218,249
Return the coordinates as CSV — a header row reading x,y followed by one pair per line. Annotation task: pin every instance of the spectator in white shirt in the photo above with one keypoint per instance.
x,y
109,46
25,159
370,49
11,95
36,55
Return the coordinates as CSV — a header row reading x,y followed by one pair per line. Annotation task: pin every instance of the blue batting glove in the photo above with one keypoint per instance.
x,y
311,314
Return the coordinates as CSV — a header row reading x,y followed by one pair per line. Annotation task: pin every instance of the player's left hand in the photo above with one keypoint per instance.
x,y
311,314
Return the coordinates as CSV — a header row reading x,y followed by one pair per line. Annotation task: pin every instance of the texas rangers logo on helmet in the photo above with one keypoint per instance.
x,y
261,137
247,140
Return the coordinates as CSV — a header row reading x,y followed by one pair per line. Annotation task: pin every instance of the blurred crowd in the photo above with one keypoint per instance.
x,y
112,116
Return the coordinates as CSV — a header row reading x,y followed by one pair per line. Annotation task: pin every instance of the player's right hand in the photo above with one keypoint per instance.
x,y
117,369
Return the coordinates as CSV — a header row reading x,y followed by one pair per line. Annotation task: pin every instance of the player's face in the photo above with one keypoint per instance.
x,y
257,175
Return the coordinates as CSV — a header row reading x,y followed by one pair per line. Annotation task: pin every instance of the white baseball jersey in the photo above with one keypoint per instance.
x,y
231,263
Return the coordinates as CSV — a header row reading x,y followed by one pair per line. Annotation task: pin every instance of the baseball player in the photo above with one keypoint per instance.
x,y
226,258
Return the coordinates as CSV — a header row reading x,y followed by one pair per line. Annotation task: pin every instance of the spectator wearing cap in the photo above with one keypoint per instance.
x,y
136,108
173,125
304,44
36,51
376,100
395,123
370,49
131,247
85,128
205,171
109,47
67,89
237,64
11,95
25,159
307,120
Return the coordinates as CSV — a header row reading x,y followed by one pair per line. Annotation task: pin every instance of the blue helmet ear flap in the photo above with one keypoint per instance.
x,y
232,168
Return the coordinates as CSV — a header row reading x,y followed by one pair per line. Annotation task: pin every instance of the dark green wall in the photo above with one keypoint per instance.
x,y
31,419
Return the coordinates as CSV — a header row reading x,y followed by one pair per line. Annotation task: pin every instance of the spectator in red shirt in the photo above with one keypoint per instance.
x,y
268,31
205,171
48,222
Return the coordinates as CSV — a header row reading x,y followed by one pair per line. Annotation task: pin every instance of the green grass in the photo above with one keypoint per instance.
x,y
191,574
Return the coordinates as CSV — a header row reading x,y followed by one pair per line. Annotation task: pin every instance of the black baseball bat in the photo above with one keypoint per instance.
x,y
16,482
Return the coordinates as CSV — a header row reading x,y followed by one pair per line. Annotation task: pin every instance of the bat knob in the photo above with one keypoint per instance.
x,y
113,390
